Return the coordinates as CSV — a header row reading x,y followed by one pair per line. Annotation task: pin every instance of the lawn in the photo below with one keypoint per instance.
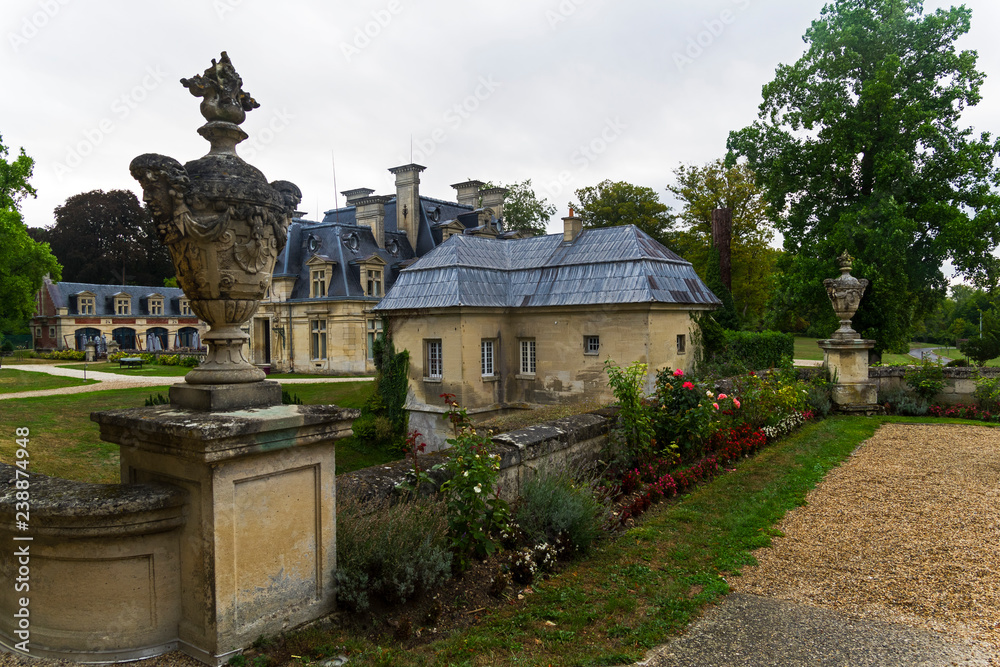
x,y
634,592
13,381
65,443
156,370
806,348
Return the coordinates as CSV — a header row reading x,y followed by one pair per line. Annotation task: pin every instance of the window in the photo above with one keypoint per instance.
x,y
432,363
318,339
374,283
123,305
681,343
591,344
85,305
52,332
527,357
487,358
156,306
318,283
374,331
185,307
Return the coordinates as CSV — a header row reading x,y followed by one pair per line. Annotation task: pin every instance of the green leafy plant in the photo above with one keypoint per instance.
x,y
987,393
555,509
418,477
926,380
475,509
289,398
159,399
634,424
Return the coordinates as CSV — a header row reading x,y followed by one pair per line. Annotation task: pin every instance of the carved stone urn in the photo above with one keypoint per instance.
x,y
845,295
222,222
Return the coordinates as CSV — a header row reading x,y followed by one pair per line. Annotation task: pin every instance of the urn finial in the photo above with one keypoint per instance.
x,y
222,89
845,295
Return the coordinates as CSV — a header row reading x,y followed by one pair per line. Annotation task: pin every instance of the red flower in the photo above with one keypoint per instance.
x,y
688,385
678,373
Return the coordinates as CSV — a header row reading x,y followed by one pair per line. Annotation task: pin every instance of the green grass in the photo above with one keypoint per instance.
x,y
13,381
65,443
634,592
156,370
806,348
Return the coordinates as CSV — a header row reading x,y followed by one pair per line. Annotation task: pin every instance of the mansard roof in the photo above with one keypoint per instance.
x,y
64,295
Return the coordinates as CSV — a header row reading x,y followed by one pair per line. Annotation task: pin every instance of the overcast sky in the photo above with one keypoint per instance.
x,y
564,92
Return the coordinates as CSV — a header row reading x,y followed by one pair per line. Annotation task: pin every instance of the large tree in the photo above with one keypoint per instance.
x,y
714,185
108,238
523,210
858,148
610,204
23,261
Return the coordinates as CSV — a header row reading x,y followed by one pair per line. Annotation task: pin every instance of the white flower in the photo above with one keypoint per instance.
x,y
478,488
465,474
709,394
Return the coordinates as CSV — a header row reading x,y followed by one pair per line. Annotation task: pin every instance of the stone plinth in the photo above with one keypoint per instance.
x,y
848,364
258,549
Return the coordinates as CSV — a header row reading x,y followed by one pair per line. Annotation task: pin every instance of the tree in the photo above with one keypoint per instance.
x,y
610,204
23,261
703,189
523,210
858,148
108,238
986,345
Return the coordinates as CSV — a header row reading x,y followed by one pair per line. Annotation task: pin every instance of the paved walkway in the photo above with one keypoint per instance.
x,y
928,353
106,381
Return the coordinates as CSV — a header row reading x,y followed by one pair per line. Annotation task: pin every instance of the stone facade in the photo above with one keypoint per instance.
x,y
67,313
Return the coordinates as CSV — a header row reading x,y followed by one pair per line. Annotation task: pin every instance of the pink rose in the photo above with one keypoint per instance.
x,y
688,385
678,373
736,402
715,405
722,397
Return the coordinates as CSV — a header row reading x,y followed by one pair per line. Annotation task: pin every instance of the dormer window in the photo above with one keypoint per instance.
x,y
374,282
320,275
123,304
185,305
86,304
154,303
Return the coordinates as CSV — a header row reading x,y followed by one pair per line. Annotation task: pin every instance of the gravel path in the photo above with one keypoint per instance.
x,y
896,549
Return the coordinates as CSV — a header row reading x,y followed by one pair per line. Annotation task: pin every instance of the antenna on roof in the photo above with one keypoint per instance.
x,y
411,148
336,199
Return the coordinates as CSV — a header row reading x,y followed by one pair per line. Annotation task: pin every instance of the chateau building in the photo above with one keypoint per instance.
x,y
517,323
318,316
68,314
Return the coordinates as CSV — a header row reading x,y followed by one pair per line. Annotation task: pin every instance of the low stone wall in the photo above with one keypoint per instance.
x,y
571,444
959,381
96,572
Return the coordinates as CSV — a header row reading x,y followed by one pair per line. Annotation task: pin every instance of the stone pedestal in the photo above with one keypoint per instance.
x,y
90,351
848,364
258,548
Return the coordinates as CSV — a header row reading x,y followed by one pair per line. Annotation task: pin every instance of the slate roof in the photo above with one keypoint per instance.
x,y
64,294
602,266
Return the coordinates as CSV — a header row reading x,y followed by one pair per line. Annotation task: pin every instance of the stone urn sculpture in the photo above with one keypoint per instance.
x,y
845,295
223,224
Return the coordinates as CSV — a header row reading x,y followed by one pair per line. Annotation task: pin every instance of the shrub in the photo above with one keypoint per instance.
x,y
190,361
159,399
767,398
987,393
553,508
980,349
902,402
688,413
394,552
7,346
290,399
634,423
926,380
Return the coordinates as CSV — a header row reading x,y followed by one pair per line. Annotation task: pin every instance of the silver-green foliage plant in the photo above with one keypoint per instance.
x,y
553,508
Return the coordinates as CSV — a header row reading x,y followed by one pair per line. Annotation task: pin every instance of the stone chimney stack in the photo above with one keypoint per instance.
x,y
493,198
370,212
356,194
572,226
468,193
408,200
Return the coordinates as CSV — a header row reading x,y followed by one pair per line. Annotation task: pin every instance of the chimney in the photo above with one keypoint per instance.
x,y
493,198
370,212
572,226
408,200
356,194
468,193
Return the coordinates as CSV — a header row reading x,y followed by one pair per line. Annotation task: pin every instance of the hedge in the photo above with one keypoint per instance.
x,y
759,350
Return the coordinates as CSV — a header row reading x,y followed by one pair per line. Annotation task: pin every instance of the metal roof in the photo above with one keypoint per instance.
x,y
61,294
602,266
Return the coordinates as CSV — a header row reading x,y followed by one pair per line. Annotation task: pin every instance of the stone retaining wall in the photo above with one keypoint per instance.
x,y
959,381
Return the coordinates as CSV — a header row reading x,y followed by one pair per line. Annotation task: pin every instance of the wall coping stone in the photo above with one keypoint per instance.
x,y
952,373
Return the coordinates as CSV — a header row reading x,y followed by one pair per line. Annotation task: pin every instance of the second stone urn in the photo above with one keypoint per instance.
x,y
222,222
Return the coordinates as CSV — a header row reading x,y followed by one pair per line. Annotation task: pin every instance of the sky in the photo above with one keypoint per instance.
x,y
566,93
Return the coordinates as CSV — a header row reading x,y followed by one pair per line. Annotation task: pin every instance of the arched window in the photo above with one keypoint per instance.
x,y
156,339
188,337
125,337
83,335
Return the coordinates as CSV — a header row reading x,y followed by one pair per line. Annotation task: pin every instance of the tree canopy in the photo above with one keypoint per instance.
x,y
108,238
23,261
858,147
523,210
610,204
712,186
